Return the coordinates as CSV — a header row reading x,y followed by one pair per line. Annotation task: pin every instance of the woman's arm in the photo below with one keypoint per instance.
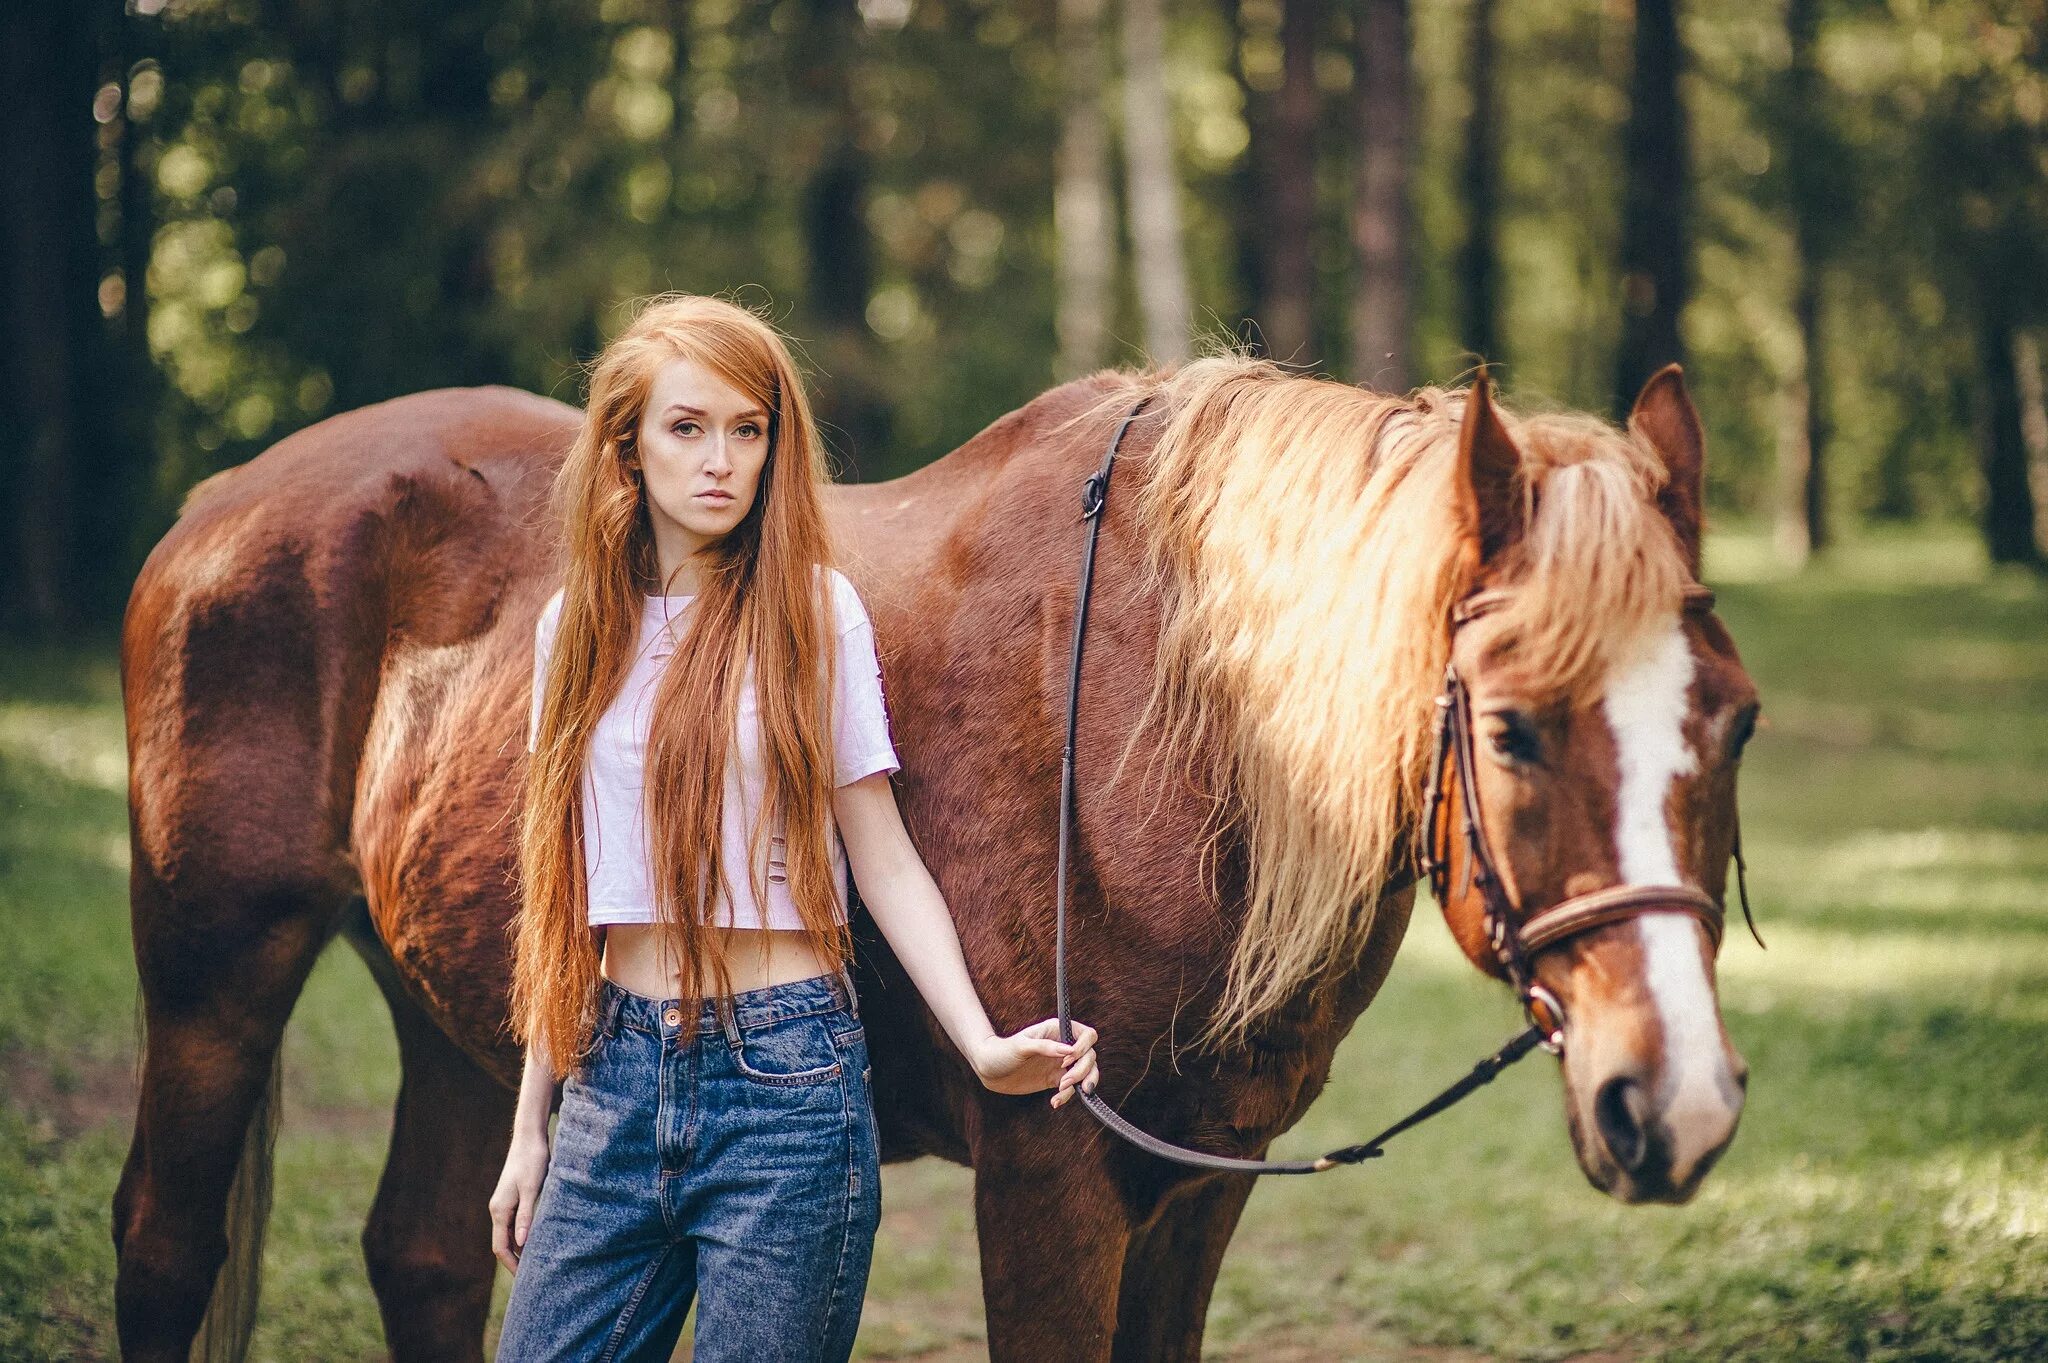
x,y
912,913
907,906
536,1097
526,1162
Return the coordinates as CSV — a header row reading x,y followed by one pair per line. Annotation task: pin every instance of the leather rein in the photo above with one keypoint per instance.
x,y
1514,938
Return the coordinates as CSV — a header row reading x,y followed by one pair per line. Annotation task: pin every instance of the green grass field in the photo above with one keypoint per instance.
x,y
1887,1197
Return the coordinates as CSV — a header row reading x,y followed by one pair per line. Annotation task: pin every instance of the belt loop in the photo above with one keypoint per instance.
x,y
614,1004
728,1019
848,999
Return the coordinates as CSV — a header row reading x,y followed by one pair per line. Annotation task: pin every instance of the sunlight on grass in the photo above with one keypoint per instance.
x,y
1871,556
76,744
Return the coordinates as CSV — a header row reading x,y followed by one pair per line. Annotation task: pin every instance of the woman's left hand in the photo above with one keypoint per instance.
x,y
1035,1058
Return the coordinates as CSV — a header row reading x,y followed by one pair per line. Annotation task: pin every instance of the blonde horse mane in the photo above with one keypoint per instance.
x,y
1307,541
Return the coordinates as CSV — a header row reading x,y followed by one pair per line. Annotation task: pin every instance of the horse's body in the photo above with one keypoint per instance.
x,y
325,668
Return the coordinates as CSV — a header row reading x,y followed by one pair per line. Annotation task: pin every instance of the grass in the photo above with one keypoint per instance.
x,y
1887,1197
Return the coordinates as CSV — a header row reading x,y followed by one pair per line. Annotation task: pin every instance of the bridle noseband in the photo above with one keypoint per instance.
x,y
1515,940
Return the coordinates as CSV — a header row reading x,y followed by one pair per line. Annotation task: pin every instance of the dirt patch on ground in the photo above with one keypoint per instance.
x,y
1350,1343
62,1098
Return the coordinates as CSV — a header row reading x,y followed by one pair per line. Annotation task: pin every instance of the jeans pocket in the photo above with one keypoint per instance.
x,y
788,1052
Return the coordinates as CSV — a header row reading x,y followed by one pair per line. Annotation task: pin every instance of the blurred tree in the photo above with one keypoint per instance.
x,y
1381,220
1286,312
1479,256
1983,170
2010,533
1812,162
1158,250
1656,171
2033,386
1082,196
841,275
130,505
1250,35
64,548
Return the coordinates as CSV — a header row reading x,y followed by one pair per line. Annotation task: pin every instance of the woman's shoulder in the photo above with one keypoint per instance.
x,y
550,615
847,608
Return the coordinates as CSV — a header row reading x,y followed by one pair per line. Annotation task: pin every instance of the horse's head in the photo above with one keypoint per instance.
x,y
1607,710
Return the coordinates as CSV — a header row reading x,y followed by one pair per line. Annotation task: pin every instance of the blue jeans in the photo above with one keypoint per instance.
x,y
741,1169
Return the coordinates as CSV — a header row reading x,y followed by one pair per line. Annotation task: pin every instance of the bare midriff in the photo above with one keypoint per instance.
x,y
634,959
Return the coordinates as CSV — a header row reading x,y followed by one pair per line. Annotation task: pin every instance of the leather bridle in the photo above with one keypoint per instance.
x,y
1515,938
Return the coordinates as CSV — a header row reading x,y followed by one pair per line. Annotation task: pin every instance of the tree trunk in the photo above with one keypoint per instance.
x,y
1656,178
1479,259
124,508
1154,187
2026,356
683,149
48,272
1803,440
1081,198
841,274
1289,317
1380,221
1248,193
2008,498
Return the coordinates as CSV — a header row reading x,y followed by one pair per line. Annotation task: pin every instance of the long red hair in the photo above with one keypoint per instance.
x,y
765,594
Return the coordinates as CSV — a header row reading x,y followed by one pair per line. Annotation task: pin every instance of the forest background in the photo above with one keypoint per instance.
x,y
226,219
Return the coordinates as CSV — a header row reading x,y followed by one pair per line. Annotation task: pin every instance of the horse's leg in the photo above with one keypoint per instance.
x,y
1053,1234
218,983
1170,1271
428,1241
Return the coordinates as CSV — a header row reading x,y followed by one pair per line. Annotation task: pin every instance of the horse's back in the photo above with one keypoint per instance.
x,y
290,616
976,518
420,466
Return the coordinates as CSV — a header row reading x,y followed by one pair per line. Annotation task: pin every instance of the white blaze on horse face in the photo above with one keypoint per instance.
x,y
1646,705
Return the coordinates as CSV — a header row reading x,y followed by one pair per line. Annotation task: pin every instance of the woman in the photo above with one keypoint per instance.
x,y
708,725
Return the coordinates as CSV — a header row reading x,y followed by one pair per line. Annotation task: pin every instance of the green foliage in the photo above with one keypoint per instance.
x,y
353,209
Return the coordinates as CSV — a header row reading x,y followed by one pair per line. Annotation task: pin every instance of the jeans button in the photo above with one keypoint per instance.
x,y
673,1017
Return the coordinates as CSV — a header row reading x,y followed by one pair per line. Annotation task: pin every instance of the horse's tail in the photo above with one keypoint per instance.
x,y
231,1312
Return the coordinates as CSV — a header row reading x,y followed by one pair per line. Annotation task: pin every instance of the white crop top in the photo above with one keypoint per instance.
x,y
617,853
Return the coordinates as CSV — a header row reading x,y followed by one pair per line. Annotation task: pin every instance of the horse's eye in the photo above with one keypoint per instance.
x,y
1740,731
1512,738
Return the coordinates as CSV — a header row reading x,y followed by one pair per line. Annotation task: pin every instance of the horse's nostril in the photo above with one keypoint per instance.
x,y
1615,1111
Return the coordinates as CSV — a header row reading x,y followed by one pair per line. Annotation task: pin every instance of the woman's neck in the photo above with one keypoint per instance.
x,y
679,580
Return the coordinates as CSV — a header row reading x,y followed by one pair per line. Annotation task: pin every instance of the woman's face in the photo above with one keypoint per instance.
x,y
702,444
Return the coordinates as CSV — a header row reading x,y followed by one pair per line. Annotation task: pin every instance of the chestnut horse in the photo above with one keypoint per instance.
x,y
326,666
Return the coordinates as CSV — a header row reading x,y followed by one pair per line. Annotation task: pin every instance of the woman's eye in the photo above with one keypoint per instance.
x,y
1513,738
687,428
749,430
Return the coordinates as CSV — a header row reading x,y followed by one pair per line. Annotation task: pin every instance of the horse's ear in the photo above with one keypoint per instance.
x,y
1491,500
1665,417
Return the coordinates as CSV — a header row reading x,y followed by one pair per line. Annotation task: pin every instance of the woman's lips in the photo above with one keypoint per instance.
x,y
719,497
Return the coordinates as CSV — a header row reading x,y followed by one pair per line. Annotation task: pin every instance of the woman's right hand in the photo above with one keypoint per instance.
x,y
526,1165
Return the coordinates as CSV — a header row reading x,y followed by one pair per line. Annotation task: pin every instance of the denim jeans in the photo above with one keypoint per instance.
x,y
741,1169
